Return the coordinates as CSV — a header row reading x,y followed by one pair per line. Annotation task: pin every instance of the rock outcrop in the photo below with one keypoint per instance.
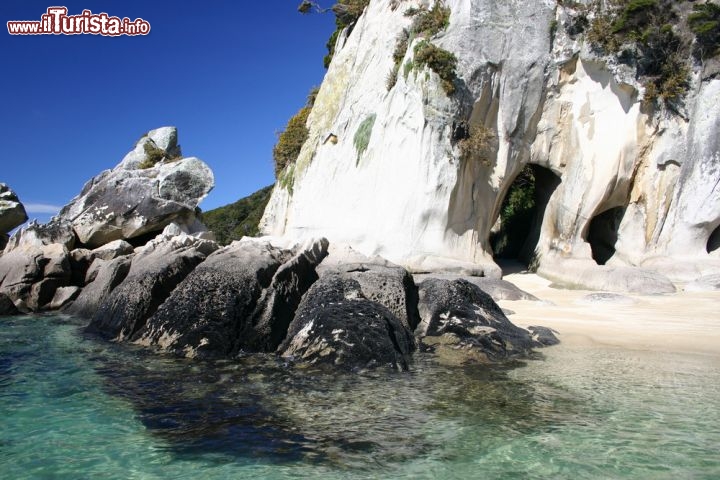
x,y
618,185
152,187
12,213
460,323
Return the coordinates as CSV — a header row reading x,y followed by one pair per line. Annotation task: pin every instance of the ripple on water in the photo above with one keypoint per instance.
x,y
76,407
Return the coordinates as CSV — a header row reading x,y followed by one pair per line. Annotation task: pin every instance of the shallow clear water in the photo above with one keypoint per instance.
x,y
75,407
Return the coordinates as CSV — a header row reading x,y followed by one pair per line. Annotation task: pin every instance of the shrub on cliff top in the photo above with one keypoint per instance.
x,y
704,22
291,140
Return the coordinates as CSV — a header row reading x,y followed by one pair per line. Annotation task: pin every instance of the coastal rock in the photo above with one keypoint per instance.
x,y
12,212
336,325
380,281
242,298
497,289
152,277
460,323
112,250
149,189
617,183
38,235
63,296
107,275
7,307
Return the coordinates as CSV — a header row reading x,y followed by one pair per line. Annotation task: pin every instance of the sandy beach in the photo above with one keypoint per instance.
x,y
681,322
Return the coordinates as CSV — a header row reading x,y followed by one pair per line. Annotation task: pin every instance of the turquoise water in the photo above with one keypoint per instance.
x,y
75,407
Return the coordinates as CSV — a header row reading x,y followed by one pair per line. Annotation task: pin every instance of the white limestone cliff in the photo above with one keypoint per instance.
x,y
646,184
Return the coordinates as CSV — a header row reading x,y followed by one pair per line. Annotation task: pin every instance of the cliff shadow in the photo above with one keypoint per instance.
x,y
714,241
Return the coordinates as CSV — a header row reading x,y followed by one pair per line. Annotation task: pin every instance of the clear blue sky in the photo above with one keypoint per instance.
x,y
227,73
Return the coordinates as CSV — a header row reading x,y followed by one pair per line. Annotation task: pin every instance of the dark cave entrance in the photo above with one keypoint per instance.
x,y
603,234
714,240
521,214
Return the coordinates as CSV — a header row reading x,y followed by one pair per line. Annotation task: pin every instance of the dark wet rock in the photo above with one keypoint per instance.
x,y
242,298
63,296
543,335
154,274
277,305
497,289
12,212
7,307
336,325
152,187
461,323
108,275
380,281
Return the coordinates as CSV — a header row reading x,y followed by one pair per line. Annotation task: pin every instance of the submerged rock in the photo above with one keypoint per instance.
x,y
336,325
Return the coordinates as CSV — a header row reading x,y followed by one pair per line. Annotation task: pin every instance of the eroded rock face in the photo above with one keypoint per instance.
x,y
137,197
336,325
108,274
621,185
12,212
460,323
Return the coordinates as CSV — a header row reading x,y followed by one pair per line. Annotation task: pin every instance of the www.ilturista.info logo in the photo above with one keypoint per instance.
x,y
57,22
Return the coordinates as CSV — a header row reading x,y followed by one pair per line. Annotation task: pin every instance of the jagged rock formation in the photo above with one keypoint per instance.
x,y
628,196
12,213
152,191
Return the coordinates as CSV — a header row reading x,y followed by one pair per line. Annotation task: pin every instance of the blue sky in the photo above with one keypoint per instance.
x,y
227,73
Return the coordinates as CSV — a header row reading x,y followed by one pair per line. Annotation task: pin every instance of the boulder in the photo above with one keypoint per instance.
x,y
148,190
19,269
497,289
460,323
107,275
63,296
80,261
12,212
380,281
336,325
57,231
153,275
7,307
112,250
242,298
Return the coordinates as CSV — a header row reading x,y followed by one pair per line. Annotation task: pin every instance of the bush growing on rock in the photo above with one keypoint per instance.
x,y
439,61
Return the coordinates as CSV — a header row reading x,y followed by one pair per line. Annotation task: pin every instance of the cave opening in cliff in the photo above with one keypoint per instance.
x,y
517,231
714,240
602,234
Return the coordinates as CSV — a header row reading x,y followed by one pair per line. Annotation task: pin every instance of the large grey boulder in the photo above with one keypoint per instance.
x,y
108,274
242,298
336,325
34,234
12,212
154,274
152,187
460,323
497,289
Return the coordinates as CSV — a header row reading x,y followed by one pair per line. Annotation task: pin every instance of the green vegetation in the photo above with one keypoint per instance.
x,y
427,23
704,22
478,145
347,13
362,135
517,212
645,32
439,61
291,140
155,155
238,219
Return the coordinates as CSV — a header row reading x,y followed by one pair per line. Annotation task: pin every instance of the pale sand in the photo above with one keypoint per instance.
x,y
681,322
